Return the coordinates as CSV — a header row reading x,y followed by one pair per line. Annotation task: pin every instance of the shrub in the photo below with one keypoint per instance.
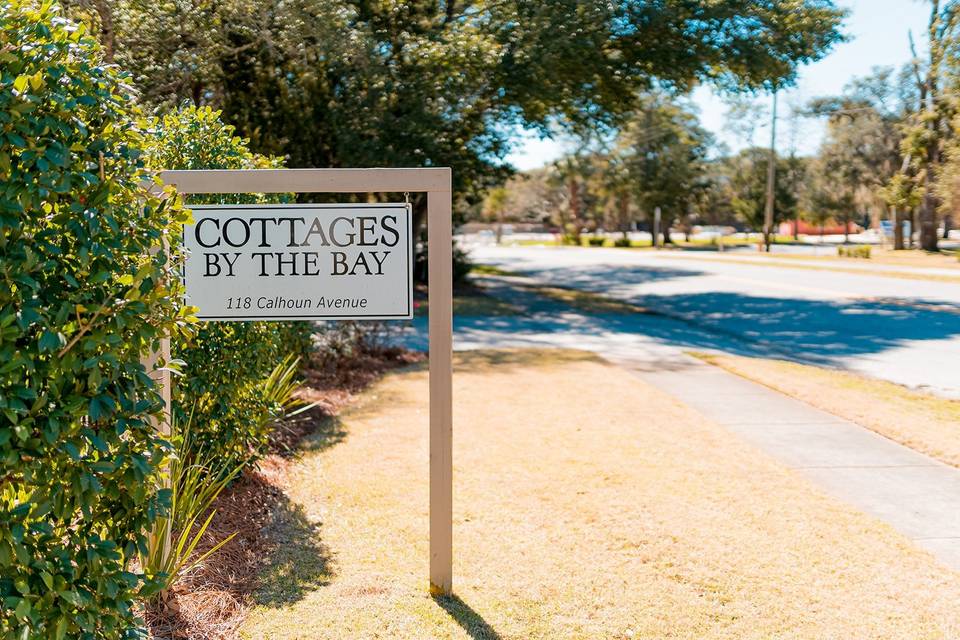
x,y
83,298
856,251
225,362
622,242
597,241
461,263
198,474
195,483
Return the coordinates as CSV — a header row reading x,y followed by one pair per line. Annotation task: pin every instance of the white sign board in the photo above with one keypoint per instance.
x,y
300,262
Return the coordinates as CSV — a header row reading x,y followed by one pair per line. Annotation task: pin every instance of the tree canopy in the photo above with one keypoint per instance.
x,y
429,82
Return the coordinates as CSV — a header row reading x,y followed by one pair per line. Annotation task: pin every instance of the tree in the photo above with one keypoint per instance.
x,y
575,172
837,190
614,186
494,206
664,150
713,196
948,183
332,83
744,116
928,130
534,196
830,196
864,136
748,182
798,167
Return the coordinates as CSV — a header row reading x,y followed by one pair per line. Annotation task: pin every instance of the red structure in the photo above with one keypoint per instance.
x,y
833,229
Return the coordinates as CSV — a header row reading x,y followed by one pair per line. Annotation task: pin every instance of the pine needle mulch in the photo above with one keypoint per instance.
x,y
587,505
212,601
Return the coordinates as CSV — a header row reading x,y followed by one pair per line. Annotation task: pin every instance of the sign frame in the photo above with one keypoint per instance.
x,y
436,183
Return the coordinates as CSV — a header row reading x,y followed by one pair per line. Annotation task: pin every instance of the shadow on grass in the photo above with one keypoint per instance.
x,y
327,432
275,557
468,619
297,563
485,359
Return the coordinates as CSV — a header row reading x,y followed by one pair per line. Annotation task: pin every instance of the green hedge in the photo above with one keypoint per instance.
x,y
854,251
81,300
226,362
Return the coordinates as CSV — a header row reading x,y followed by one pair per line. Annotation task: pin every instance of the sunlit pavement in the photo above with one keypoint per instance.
x,y
906,331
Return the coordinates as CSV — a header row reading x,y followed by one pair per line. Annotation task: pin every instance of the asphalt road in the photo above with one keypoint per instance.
x,y
903,330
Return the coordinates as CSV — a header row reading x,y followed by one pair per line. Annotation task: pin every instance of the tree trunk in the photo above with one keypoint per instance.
x,y
913,226
419,206
107,36
947,224
928,220
897,230
575,207
768,212
624,205
655,228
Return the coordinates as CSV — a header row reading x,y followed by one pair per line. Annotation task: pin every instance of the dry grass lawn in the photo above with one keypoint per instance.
x,y
469,300
879,264
902,258
587,505
585,301
922,421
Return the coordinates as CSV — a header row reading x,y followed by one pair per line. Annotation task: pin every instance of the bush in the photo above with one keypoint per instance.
x,y
596,242
226,362
622,242
856,251
461,264
195,483
84,298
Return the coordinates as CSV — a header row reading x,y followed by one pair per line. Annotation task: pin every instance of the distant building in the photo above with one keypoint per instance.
x,y
806,228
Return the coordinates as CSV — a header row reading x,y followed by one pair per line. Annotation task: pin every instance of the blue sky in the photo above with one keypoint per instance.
x,y
878,29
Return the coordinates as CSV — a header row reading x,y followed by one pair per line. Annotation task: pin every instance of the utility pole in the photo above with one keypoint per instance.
x,y
656,227
771,177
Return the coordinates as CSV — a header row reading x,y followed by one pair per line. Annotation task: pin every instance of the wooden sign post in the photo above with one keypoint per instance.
x,y
436,183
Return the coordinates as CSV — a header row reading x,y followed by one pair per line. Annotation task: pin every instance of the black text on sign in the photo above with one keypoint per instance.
x,y
285,262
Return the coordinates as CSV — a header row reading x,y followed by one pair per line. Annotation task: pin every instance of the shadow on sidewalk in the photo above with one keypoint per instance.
x,y
823,332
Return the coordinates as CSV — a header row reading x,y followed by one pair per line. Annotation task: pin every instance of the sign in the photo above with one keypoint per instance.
x,y
300,262
388,288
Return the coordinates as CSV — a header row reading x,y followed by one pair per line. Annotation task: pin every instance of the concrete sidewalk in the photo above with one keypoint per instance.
x,y
916,494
